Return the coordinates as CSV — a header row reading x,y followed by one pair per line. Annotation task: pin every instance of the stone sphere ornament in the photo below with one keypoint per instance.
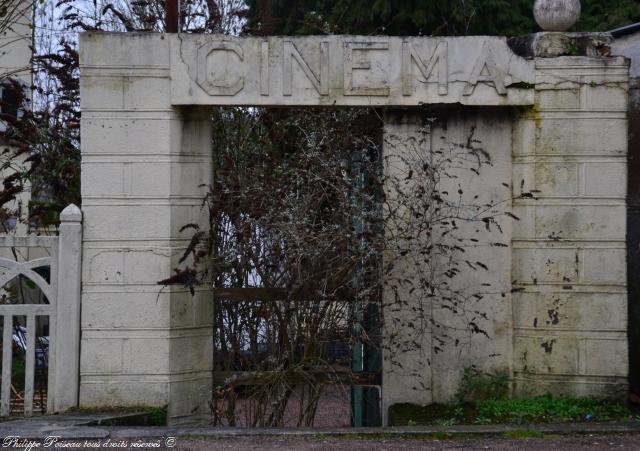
x,y
556,15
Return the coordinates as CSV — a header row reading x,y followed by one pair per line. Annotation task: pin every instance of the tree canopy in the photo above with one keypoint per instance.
x,y
422,17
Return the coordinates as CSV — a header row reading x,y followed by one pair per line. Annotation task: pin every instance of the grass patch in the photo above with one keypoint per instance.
x,y
477,385
158,416
541,409
549,409
523,433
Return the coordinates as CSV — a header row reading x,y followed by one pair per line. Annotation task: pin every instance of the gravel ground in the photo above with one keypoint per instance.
x,y
573,443
334,409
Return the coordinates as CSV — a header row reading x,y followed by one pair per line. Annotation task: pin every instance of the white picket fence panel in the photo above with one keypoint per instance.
x,y
63,310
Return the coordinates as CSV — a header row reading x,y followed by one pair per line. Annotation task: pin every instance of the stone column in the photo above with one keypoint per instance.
x,y
570,299
143,162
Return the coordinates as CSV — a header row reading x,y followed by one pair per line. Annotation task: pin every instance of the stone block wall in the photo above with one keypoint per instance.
x,y
569,265
555,125
143,162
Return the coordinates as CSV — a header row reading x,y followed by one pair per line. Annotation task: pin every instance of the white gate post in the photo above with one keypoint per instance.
x,y
67,338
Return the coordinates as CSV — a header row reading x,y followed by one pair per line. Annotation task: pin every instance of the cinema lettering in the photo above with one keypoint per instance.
x,y
350,71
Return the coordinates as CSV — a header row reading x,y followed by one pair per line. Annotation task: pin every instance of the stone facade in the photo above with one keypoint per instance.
x,y
15,64
16,41
143,162
569,258
348,71
556,125
438,365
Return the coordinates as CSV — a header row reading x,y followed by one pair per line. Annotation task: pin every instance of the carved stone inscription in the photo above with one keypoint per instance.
x,y
348,70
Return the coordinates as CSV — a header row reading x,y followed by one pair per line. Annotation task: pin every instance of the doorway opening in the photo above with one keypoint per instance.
x,y
296,222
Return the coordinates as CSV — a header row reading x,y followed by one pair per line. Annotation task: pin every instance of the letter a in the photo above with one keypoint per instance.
x,y
486,70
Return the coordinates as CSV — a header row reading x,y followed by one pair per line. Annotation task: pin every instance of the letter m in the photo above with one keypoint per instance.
x,y
439,59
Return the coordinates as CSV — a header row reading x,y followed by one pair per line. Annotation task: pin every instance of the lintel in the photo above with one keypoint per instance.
x,y
376,71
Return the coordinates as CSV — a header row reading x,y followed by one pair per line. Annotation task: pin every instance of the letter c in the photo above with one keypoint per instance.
x,y
216,87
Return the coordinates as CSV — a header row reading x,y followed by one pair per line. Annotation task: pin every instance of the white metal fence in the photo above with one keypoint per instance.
x,y
63,311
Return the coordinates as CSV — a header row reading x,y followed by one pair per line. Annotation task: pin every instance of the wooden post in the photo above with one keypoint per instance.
x,y
67,338
7,341
172,21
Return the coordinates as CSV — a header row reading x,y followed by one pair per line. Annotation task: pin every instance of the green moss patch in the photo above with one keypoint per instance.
x,y
542,409
524,433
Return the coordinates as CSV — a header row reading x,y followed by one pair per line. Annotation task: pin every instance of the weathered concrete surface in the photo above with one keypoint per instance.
x,y
556,300
143,164
553,45
348,71
556,15
431,372
16,41
145,155
15,64
406,368
327,70
569,267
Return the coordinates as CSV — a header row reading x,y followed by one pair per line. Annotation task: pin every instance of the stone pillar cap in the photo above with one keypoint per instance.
x,y
71,214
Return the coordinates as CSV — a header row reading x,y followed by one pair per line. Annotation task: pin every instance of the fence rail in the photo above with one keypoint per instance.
x,y
63,311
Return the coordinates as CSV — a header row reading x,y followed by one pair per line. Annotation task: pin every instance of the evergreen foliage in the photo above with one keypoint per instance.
x,y
422,17
604,15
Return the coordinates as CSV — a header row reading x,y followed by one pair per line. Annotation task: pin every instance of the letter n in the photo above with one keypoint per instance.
x,y
320,82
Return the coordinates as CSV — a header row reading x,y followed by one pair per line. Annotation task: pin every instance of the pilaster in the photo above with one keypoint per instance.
x,y
569,256
143,164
